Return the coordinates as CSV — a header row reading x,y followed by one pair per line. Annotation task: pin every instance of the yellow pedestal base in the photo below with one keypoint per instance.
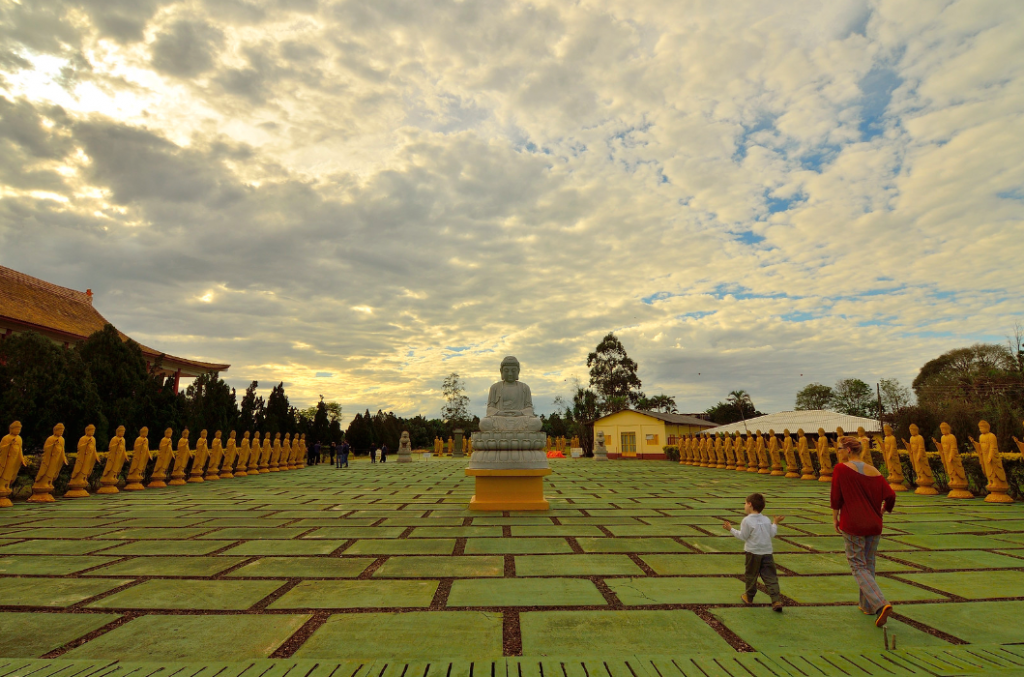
x,y
508,489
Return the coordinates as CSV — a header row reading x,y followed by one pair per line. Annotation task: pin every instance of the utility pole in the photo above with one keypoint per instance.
x,y
878,392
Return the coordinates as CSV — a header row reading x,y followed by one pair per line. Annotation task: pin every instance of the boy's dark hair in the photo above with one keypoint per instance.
x,y
756,502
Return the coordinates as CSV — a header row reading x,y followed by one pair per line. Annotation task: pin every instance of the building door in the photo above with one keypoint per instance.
x,y
628,445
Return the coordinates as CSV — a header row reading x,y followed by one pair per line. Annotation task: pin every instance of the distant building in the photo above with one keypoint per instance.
x,y
67,316
808,419
643,434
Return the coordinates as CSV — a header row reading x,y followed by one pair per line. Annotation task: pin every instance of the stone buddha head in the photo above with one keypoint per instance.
x,y
510,369
14,428
600,437
119,432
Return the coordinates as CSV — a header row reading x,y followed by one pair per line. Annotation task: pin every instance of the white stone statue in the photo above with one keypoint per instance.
x,y
510,434
600,453
405,448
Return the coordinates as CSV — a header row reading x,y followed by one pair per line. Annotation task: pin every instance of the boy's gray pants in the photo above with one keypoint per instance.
x,y
763,566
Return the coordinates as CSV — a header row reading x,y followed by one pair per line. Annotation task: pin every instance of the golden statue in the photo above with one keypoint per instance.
x,y
12,459
199,458
750,447
773,454
230,454
242,465
741,455
85,461
140,459
807,471
919,461
275,454
254,455
164,456
117,454
865,447
988,453
702,456
892,460
286,453
842,455
266,453
950,453
720,459
730,456
691,448
52,461
181,458
302,451
824,456
216,458
792,467
1020,445
763,467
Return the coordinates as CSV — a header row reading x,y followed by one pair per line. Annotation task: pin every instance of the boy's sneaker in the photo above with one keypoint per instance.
x,y
883,615
777,607
746,600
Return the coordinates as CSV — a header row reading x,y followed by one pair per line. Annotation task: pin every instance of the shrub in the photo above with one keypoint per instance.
x,y
671,452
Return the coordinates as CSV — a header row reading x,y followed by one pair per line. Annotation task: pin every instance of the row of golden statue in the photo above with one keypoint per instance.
x,y
211,460
562,444
752,453
442,448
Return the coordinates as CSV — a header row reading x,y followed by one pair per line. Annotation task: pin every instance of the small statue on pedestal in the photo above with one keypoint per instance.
x,y
949,451
164,456
600,451
141,457
85,461
53,459
117,454
11,461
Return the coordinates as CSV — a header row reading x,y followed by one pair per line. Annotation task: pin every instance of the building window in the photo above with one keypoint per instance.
x,y
673,440
628,444
652,439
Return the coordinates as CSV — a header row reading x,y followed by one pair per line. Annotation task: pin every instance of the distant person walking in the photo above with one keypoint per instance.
x,y
333,451
343,452
383,453
374,453
859,494
316,453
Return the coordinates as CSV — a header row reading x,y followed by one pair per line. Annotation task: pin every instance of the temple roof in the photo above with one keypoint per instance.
x,y
809,419
35,304
676,419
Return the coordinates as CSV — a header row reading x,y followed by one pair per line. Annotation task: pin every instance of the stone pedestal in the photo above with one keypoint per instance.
x,y
457,451
513,489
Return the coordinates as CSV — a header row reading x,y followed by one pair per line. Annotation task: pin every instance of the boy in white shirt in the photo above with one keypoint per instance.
x,y
757,531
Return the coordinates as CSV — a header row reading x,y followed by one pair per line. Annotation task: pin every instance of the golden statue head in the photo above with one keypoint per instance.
x,y
914,429
786,432
758,433
143,431
821,432
184,434
245,435
800,432
277,436
231,435
287,436
168,433
771,431
90,430
945,428
202,434
860,432
255,434
120,431
887,429
15,428
58,429
984,427
216,435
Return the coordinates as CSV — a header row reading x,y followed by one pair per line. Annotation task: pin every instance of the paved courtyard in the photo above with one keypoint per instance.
x,y
384,562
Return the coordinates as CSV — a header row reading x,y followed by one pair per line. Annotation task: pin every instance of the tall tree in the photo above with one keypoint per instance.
x,y
895,395
740,399
211,405
456,407
815,396
585,410
854,397
252,410
279,413
666,404
612,372
118,370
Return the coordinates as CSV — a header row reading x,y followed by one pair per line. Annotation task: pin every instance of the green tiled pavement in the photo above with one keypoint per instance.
x,y
386,563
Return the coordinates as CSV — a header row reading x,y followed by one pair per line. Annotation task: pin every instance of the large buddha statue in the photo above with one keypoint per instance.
x,y
510,435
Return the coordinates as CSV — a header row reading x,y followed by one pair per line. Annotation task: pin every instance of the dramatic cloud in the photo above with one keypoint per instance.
x,y
357,198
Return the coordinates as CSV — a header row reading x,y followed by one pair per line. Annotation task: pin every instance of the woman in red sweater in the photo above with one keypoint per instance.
x,y
859,492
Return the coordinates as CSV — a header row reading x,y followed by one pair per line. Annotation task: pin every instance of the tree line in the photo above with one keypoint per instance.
x,y
104,381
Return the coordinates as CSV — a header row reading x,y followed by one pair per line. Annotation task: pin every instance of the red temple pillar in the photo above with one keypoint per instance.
x,y
177,380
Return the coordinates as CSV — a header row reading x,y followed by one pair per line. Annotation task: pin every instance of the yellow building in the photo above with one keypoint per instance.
x,y
642,434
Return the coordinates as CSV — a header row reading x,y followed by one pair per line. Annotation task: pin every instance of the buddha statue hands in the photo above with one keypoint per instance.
x,y
509,403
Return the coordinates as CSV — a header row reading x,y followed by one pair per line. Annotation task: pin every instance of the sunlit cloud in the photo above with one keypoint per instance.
x,y
751,195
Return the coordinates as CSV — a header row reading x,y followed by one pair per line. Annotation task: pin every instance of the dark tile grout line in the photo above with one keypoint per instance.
x,y
440,600
511,634
935,632
88,637
235,567
293,643
369,571
734,640
277,594
460,547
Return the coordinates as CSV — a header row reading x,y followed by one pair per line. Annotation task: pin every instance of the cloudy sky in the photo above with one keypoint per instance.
x,y
359,197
